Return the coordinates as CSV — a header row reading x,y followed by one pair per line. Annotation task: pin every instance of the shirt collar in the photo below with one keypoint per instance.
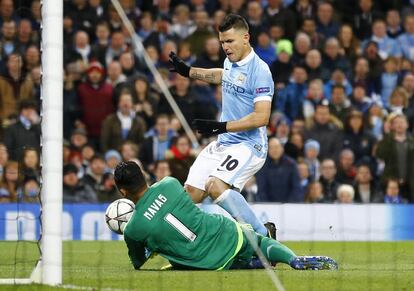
x,y
246,59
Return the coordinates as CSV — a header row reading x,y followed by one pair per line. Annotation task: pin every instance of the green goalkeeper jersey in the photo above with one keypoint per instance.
x,y
167,222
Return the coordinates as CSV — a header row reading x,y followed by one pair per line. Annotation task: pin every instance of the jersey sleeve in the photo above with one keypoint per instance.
x,y
263,85
136,252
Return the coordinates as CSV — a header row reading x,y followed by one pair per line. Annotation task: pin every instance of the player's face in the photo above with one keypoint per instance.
x,y
235,44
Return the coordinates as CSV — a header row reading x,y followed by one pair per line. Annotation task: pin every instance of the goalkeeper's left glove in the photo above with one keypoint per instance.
x,y
209,127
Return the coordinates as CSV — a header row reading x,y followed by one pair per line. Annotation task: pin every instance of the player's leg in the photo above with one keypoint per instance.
x,y
276,252
234,203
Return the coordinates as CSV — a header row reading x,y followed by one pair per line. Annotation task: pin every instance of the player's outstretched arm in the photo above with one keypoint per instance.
x,y
258,118
212,76
136,252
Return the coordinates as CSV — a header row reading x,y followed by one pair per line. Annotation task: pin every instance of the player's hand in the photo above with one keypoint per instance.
x,y
178,65
209,127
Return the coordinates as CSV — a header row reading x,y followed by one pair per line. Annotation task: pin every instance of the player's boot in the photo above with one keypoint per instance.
x,y
313,263
271,229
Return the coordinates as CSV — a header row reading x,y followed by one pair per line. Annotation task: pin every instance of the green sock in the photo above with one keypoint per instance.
x,y
276,252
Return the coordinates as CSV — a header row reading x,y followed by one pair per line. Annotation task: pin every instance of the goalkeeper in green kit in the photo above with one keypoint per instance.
x,y
167,222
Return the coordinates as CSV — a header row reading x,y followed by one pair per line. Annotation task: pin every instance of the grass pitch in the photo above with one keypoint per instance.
x,y
363,266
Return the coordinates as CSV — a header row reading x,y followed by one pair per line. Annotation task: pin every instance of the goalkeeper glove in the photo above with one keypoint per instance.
x,y
178,65
209,127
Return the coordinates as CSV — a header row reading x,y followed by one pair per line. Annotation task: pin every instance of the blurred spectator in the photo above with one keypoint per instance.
x,y
304,175
157,142
359,100
30,190
405,39
389,79
81,50
147,100
115,75
326,132
346,170
30,165
127,62
397,151
309,27
116,47
332,59
32,57
328,180
129,151
112,159
392,193
350,45
161,170
264,48
362,77
408,84
286,188
255,20
314,193
375,120
78,139
212,55
8,39
7,12
201,34
282,130
123,125
364,18
94,173
371,53
74,190
4,158
25,132
24,35
312,148
314,97
394,28
275,13
108,192
14,86
180,157
10,182
84,14
345,194
302,46
87,153
388,47
326,25
357,139
398,101
339,105
290,99
313,66
281,69
294,148
337,78
182,26
95,98
366,190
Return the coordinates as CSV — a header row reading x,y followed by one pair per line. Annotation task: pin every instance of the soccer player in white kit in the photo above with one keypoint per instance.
x,y
225,165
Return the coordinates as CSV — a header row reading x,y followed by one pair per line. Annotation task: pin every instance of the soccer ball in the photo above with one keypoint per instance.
x,y
118,213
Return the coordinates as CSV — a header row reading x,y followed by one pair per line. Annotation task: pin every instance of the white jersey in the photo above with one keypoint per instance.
x,y
244,83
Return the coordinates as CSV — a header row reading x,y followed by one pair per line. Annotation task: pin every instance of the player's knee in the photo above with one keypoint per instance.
x,y
197,195
215,186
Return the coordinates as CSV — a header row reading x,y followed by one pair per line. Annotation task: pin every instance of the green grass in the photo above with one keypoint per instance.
x,y
363,266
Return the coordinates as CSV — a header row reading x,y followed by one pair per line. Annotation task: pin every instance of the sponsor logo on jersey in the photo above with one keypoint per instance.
x,y
155,206
232,88
262,90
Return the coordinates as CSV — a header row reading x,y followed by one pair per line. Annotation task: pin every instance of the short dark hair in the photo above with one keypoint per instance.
x,y
27,104
233,21
129,177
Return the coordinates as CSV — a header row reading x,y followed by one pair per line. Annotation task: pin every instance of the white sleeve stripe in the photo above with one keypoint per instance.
x,y
262,98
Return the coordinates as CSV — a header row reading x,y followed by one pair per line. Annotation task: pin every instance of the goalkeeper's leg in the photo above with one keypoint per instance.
x,y
276,252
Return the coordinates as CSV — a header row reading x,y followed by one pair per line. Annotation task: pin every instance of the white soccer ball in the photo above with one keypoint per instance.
x,y
118,213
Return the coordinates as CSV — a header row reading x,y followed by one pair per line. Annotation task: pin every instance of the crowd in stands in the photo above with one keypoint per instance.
x,y
342,122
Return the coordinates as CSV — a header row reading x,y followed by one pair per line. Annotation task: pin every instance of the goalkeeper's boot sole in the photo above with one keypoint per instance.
x,y
271,230
314,263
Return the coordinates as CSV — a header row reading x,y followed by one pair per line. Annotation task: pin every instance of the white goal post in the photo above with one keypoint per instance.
x,y
49,268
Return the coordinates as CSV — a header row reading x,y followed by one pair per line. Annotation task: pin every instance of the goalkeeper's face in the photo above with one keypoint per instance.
x,y
235,44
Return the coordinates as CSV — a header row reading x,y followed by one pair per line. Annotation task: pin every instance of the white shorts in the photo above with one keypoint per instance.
x,y
233,164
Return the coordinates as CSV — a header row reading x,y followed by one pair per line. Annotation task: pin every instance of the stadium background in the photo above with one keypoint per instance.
x,y
322,54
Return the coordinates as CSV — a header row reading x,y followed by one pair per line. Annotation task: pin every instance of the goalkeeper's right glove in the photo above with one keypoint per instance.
x,y
178,65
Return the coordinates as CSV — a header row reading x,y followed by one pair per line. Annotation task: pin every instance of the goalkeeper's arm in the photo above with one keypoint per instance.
x,y
137,253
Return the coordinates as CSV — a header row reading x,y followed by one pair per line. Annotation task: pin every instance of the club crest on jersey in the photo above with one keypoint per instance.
x,y
241,79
